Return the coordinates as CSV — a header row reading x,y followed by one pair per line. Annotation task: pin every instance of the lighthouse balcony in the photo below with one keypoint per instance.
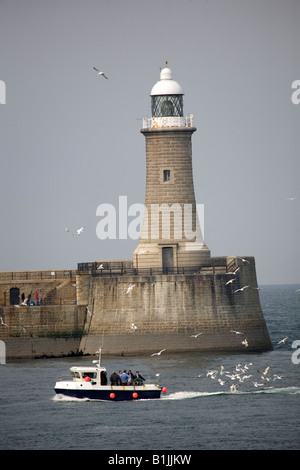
x,y
169,121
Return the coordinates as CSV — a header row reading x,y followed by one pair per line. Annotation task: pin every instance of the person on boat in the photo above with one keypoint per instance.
x,y
130,378
138,378
103,377
124,377
115,379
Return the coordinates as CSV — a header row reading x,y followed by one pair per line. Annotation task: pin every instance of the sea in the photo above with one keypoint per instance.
x,y
214,401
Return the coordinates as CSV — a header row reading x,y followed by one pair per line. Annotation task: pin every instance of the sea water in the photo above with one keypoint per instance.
x,y
198,412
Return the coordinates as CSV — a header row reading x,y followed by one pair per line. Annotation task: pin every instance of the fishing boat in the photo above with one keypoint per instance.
x,y
90,382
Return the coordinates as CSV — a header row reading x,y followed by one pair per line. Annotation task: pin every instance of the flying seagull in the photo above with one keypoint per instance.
x,y
230,281
158,353
100,73
80,230
236,332
241,289
245,343
283,340
195,336
133,326
130,288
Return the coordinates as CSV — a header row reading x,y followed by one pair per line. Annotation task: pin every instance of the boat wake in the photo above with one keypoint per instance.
x,y
184,395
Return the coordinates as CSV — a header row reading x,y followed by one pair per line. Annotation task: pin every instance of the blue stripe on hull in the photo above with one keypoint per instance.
x,y
105,394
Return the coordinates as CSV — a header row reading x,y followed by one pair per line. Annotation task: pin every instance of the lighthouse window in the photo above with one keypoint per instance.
x,y
167,105
167,175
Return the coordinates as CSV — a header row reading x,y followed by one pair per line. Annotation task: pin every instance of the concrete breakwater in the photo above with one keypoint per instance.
x,y
136,311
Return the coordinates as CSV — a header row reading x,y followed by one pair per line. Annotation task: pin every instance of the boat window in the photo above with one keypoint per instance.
x,y
76,375
92,375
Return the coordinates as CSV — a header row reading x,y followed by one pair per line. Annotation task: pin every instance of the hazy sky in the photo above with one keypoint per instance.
x,y
71,140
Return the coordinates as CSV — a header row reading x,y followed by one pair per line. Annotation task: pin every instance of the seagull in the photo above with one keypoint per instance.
x,y
2,322
244,260
80,230
100,266
234,272
133,326
266,370
230,281
158,353
75,285
245,343
282,340
241,289
100,73
195,336
67,229
277,377
211,373
236,332
233,388
130,288
222,382
291,198
88,312
257,384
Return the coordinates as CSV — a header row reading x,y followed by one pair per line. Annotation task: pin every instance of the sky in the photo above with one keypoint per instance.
x,y
70,140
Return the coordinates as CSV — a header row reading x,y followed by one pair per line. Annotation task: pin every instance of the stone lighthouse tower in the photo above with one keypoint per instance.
x,y
171,236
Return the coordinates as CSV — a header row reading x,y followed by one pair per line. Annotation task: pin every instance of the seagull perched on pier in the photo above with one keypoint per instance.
x,y
2,322
158,353
88,312
100,73
244,260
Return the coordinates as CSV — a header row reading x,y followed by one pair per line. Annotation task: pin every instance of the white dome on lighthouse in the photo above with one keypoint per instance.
x,y
166,85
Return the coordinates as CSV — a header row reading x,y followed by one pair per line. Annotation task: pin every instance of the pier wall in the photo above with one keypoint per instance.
x,y
50,326
136,312
164,311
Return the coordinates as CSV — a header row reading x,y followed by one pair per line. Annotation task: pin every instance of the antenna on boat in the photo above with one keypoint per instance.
x,y
100,348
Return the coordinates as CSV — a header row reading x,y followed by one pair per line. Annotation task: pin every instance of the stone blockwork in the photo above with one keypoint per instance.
x,y
52,325
135,311
168,309
170,216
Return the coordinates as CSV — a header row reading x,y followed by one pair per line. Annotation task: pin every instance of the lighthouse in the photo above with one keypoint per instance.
x,y
171,235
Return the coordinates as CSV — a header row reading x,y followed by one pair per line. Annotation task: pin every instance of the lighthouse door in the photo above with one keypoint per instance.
x,y
167,258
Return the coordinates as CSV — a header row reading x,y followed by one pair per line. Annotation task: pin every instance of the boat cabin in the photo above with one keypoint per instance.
x,y
89,374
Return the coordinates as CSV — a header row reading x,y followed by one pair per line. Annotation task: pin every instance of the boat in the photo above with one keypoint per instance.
x,y
90,382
